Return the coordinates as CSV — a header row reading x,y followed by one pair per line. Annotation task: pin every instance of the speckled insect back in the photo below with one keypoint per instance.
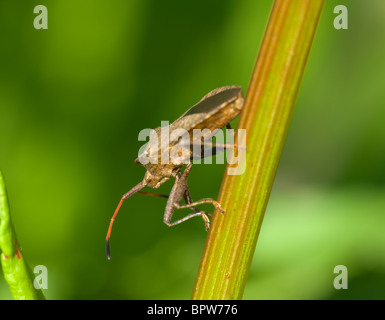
x,y
213,112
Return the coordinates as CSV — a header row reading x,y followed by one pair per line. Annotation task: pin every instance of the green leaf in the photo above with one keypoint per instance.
x,y
16,271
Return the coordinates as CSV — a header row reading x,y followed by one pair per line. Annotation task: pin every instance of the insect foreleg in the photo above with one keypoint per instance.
x,y
179,191
191,215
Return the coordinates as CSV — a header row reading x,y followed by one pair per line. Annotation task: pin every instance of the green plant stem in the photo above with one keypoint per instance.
x,y
269,104
15,269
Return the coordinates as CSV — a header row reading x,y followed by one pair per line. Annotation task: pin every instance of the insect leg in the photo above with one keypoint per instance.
x,y
216,149
180,190
191,215
190,204
229,129
206,200
153,194
224,145
187,198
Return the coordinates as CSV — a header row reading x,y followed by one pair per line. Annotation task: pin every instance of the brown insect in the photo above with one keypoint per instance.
x,y
213,112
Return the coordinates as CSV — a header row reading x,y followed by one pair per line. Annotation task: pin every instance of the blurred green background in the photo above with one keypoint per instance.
x,y
73,99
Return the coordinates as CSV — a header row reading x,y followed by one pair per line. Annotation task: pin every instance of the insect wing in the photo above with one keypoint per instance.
x,y
213,103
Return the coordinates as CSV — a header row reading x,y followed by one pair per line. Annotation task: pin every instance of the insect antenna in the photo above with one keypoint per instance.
x,y
135,189
154,194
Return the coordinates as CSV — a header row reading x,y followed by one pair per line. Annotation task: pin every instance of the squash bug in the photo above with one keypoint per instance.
x,y
213,112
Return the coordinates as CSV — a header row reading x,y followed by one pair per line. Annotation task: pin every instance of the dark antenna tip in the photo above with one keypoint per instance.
x,y
108,249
